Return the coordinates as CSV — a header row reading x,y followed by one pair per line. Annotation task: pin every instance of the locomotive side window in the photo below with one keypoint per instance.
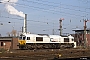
x,y
66,39
39,38
72,39
28,38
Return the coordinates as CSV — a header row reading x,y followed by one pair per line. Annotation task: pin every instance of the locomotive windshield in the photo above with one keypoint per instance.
x,y
22,38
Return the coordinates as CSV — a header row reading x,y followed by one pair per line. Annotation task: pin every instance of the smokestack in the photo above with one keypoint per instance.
x,y
25,24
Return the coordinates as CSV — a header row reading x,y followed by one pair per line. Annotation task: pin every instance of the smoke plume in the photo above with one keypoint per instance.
x,y
9,7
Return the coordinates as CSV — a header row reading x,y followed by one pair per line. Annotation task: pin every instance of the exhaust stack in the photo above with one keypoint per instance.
x,y
25,24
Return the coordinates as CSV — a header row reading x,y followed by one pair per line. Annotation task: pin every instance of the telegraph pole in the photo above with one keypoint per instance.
x,y
61,25
85,41
85,33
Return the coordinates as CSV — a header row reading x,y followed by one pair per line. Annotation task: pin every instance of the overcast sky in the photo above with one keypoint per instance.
x,y
43,15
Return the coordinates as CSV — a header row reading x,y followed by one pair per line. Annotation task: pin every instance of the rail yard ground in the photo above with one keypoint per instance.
x,y
44,54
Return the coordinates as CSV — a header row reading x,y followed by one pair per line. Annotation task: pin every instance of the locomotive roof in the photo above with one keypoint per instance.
x,y
55,35
46,35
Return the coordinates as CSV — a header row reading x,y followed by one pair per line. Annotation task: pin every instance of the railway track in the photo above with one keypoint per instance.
x,y
45,54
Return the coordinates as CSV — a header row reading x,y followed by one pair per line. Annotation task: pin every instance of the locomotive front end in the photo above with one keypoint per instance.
x,y
22,42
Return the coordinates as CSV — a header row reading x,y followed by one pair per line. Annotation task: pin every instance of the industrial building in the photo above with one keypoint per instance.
x,y
8,42
79,37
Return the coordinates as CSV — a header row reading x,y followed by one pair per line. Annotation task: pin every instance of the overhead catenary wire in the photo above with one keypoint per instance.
x,y
63,4
50,11
59,7
46,23
31,20
46,9
54,12
27,20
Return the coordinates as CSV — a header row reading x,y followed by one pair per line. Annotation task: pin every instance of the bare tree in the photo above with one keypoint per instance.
x,y
13,32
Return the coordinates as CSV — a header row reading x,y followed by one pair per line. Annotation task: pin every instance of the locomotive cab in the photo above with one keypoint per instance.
x,y
22,41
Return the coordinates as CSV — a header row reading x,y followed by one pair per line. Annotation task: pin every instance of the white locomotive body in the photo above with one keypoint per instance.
x,y
40,41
